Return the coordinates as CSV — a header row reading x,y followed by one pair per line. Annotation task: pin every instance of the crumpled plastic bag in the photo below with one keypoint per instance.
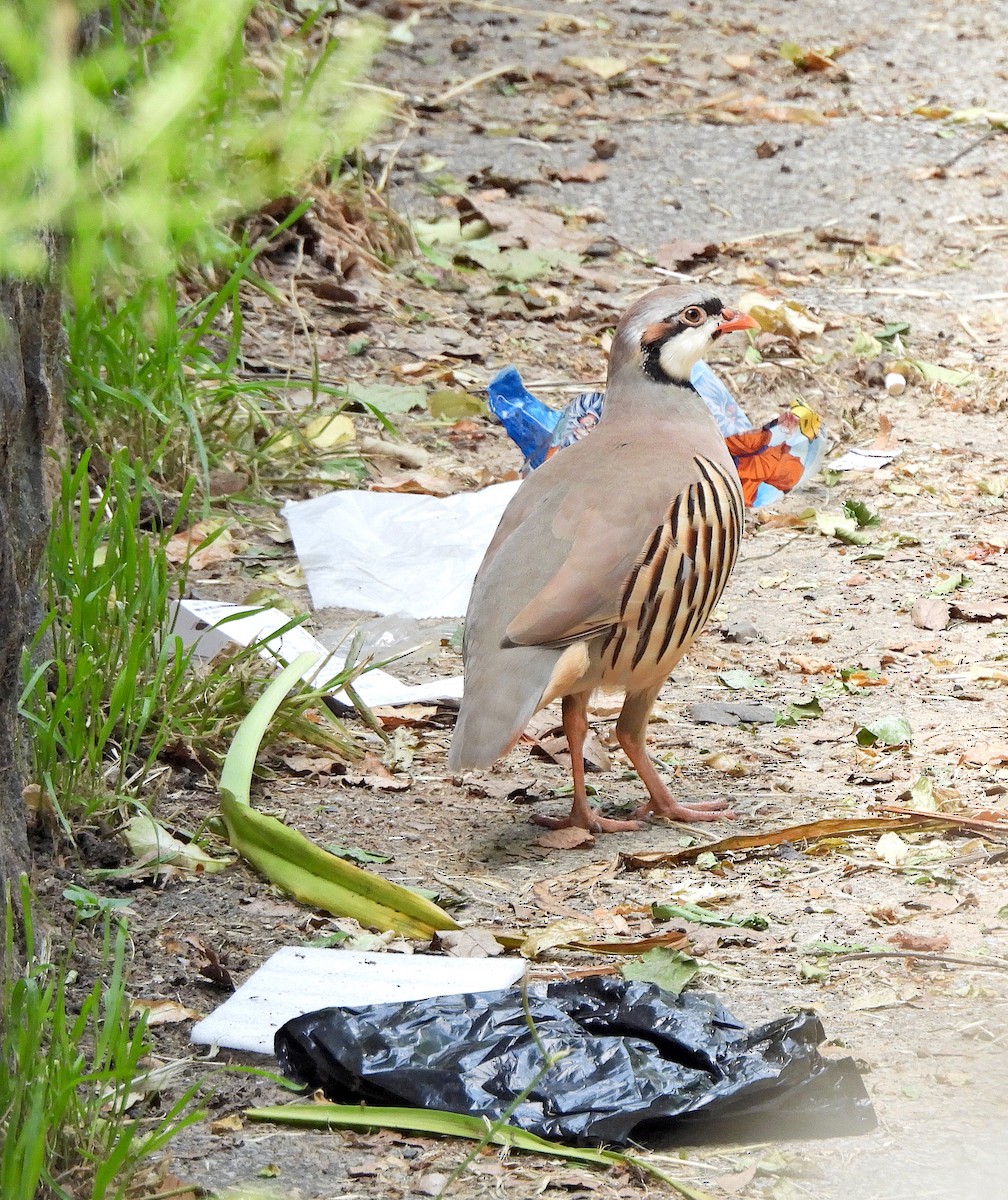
x,y
638,1062
771,461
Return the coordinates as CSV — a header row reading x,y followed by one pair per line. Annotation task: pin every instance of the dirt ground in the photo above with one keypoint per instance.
x,y
856,192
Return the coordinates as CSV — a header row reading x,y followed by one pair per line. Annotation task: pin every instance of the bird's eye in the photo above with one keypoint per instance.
x,y
694,315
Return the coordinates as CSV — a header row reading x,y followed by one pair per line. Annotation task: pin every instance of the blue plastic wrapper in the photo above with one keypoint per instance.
x,y
771,460
637,1063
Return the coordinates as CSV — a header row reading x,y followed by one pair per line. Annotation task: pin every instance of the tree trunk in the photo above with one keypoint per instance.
x,y
31,343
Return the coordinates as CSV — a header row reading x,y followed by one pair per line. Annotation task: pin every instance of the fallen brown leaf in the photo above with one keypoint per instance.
x,y
987,754
979,610
919,941
374,774
684,252
930,613
418,482
590,172
467,943
737,1182
565,839
164,1012
405,714
186,546
229,1124
520,224
812,831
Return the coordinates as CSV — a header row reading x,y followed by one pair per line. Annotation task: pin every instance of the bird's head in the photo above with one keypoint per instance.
x,y
669,329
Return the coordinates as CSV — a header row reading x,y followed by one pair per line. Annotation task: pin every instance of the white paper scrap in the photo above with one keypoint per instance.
x,y
863,460
388,552
212,625
302,979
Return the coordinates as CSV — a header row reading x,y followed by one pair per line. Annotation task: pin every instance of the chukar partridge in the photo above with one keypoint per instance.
x,y
609,559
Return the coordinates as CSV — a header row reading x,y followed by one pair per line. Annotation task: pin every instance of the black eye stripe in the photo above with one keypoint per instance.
x,y
712,307
673,325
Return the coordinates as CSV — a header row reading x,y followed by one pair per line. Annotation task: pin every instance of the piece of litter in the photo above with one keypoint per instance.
x,y
771,461
213,626
633,1062
300,979
391,553
718,713
863,460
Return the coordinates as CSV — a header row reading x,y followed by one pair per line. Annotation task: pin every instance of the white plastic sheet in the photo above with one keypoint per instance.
x,y
389,553
212,625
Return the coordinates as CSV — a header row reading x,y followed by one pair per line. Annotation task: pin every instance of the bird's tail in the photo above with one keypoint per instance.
x,y
497,704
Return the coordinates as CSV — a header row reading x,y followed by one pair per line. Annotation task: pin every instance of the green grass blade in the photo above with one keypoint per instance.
x,y
236,775
289,860
324,1115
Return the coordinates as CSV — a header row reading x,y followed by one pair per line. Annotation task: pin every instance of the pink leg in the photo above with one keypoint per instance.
x,y
630,732
582,815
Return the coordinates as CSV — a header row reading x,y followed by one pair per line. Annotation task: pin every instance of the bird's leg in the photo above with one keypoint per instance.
x,y
582,815
630,732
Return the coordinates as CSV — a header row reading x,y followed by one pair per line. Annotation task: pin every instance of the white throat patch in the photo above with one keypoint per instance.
x,y
678,354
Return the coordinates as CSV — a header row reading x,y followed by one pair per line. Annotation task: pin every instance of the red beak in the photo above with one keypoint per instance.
x,y
732,320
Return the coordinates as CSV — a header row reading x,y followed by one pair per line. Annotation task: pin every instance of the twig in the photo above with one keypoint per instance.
x,y
972,824
969,328
459,88
764,235
997,964
984,137
782,546
565,385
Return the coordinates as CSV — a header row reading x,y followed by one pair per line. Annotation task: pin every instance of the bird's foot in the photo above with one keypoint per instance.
x,y
701,810
588,819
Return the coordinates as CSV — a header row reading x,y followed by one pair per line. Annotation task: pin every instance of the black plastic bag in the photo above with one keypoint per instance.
x,y
637,1062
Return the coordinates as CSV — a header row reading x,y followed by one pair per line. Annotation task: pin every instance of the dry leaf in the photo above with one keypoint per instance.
x,y
424,483
520,224
557,933
601,65
565,839
892,850
164,1012
229,1124
467,943
815,60
684,252
595,754
830,827
562,23
310,764
372,773
330,292
987,754
886,997
738,62
933,944
182,547
979,610
885,440
737,1182
153,845
930,613
989,672
441,339
590,172
785,317
737,108
324,432
406,714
